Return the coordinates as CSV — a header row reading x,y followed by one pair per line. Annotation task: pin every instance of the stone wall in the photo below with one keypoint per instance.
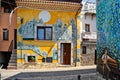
x,y
87,59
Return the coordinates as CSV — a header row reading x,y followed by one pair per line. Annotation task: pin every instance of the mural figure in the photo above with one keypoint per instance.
x,y
106,68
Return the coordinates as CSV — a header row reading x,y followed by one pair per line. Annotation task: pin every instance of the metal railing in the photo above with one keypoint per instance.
x,y
11,46
0,71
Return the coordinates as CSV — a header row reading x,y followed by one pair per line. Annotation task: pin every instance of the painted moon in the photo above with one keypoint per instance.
x,y
45,16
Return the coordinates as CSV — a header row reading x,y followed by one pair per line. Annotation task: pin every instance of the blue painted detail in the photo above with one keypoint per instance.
x,y
44,54
40,21
55,54
21,56
27,30
62,32
19,44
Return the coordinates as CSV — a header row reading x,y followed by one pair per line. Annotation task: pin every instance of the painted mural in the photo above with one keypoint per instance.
x,y
64,29
27,30
108,25
62,32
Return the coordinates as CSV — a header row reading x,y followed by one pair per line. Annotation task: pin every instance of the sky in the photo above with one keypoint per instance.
x,y
89,0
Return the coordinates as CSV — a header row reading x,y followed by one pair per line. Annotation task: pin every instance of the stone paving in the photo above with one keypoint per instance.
x,y
68,73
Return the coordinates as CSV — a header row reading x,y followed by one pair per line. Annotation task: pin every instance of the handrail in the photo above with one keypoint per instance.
x,y
11,46
0,71
1,66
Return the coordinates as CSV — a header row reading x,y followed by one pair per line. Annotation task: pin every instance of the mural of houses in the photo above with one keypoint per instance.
x,y
46,34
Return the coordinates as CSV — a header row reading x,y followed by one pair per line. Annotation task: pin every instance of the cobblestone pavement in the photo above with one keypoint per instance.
x,y
73,73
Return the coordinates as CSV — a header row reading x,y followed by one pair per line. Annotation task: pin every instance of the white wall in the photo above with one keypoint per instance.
x,y
88,19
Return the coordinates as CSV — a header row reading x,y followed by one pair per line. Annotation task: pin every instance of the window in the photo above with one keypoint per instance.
x,y
5,34
92,16
84,50
87,27
47,59
86,7
44,33
85,16
7,9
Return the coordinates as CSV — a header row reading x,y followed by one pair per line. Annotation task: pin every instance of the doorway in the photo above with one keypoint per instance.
x,y
95,61
4,59
65,53
15,38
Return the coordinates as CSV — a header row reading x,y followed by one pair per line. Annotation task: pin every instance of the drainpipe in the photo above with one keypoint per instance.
x,y
21,22
78,11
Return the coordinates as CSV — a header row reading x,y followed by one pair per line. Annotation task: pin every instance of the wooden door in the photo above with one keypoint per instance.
x,y
66,53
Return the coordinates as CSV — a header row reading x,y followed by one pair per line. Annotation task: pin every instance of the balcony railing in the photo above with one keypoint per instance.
x,y
89,35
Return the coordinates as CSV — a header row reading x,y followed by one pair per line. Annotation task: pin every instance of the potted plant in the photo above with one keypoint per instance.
x,y
32,59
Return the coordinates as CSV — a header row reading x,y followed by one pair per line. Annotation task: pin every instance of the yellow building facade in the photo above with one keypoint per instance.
x,y
48,36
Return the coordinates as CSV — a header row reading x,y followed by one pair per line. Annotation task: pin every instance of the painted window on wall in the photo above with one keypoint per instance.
x,y
5,34
44,33
7,9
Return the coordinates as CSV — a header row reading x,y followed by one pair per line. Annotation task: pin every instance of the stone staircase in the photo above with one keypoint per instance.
x,y
13,60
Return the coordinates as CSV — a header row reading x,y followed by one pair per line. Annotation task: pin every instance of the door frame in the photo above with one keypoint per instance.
x,y
59,57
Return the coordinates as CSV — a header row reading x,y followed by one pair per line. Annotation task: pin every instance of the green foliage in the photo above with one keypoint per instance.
x,y
32,58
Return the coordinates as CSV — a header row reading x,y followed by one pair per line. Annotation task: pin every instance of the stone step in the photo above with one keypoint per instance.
x,y
11,67
13,61
65,65
13,58
12,64
13,55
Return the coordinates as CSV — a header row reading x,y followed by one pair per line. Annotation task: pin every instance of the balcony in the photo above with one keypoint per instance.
x,y
89,8
89,36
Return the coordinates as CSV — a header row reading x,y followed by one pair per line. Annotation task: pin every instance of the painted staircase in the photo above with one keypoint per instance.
x,y
13,60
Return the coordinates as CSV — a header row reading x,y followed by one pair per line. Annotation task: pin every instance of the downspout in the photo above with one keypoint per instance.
x,y
79,9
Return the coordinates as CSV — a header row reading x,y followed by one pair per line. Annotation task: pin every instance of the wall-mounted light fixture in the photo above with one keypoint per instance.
x,y
20,19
